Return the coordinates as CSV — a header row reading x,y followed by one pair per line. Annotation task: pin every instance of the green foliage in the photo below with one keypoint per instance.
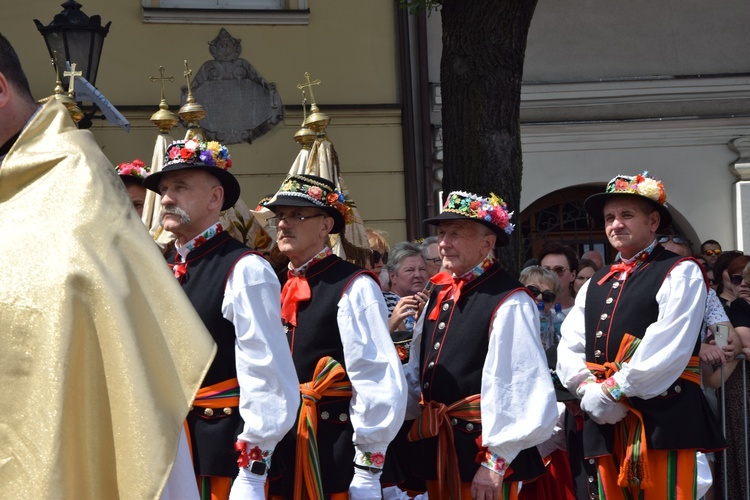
x,y
417,6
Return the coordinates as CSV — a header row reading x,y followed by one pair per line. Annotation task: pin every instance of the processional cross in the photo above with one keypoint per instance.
x,y
72,74
309,85
162,79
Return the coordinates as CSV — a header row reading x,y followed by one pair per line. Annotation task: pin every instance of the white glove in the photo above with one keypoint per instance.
x,y
365,485
600,408
248,486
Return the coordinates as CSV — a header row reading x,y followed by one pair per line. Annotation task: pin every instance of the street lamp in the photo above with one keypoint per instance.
x,y
79,37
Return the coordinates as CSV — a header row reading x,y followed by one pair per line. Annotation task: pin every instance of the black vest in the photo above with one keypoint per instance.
x,y
317,332
453,351
317,335
208,268
679,418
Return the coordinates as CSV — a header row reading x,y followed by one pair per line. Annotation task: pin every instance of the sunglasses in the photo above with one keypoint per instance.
x,y
559,270
379,257
677,239
547,296
736,279
712,252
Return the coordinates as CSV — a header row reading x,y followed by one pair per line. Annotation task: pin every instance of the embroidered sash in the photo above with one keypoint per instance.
x,y
435,421
325,382
630,434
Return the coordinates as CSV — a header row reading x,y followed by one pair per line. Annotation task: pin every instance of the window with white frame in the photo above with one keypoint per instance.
x,y
226,11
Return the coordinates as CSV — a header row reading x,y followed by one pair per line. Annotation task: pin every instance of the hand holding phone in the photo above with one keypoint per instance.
x,y
427,291
721,336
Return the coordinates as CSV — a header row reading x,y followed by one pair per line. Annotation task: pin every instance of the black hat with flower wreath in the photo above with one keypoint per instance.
x,y
210,157
641,186
134,172
313,191
491,212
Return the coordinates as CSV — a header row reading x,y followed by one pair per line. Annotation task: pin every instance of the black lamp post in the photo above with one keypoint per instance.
x,y
77,37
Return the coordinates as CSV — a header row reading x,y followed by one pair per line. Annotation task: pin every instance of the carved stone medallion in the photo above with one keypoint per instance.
x,y
241,105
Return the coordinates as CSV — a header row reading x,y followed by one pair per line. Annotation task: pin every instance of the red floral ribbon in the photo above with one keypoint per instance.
x,y
253,455
179,269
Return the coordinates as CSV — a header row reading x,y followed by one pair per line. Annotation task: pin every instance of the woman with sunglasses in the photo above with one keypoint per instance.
x,y
378,260
734,385
731,285
544,285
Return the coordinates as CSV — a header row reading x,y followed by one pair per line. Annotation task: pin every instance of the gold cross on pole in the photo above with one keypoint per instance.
x,y
72,74
161,79
304,108
309,85
187,74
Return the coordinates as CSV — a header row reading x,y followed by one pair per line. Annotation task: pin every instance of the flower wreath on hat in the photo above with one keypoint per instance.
x,y
492,210
209,153
136,168
641,184
317,193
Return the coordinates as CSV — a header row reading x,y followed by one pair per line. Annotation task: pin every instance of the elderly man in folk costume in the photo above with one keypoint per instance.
x,y
235,292
98,370
629,349
477,363
353,391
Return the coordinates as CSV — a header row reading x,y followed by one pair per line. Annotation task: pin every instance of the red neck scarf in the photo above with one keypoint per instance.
x,y
452,289
454,285
297,289
616,269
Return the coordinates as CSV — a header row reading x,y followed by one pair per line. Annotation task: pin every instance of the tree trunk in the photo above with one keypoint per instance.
x,y
484,43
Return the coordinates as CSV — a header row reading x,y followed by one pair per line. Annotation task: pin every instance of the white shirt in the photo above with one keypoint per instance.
x,y
269,389
667,343
379,389
517,397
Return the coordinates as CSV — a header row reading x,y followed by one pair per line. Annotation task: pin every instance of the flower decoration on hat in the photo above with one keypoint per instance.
x,y
492,210
211,154
136,168
317,193
641,184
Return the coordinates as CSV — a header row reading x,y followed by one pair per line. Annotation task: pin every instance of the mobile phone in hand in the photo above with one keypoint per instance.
x,y
722,333
427,291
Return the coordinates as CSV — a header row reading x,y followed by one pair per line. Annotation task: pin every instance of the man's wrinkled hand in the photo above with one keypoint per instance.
x,y
487,485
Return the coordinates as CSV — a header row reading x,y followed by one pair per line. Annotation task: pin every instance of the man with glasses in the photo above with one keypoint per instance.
x,y
478,339
431,254
711,251
353,388
235,292
629,350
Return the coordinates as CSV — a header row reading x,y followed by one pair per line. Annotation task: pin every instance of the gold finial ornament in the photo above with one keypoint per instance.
x,y
164,119
60,95
191,112
317,121
304,136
